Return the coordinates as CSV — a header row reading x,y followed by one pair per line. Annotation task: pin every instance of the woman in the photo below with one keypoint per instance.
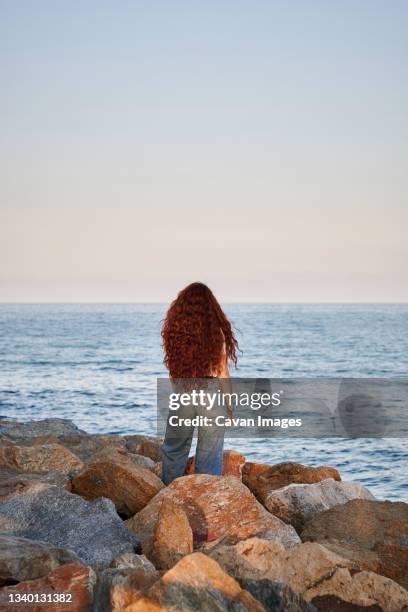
x,y
198,342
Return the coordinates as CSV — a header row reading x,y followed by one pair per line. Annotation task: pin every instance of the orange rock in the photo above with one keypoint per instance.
x,y
73,580
216,507
233,464
261,478
43,458
172,538
129,486
195,581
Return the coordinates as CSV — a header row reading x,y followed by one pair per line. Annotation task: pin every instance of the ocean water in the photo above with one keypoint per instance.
x,y
97,365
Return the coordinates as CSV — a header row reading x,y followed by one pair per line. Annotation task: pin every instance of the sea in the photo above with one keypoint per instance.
x,y
98,364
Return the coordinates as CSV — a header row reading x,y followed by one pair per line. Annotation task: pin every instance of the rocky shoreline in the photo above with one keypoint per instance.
x,y
88,515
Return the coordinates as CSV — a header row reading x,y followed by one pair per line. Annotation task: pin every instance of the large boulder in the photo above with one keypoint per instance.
x,y
44,458
233,463
261,478
30,430
12,481
22,559
196,582
118,478
172,537
373,533
298,503
118,586
72,580
313,571
216,507
93,530
299,566
148,446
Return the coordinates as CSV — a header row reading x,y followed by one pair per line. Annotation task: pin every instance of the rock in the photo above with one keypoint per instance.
x,y
232,466
233,463
92,448
120,454
373,533
116,477
172,538
74,580
158,470
93,530
335,604
87,447
216,507
365,590
38,429
145,462
256,558
148,446
276,596
131,560
12,481
45,458
22,559
261,478
196,582
4,422
312,571
120,586
298,503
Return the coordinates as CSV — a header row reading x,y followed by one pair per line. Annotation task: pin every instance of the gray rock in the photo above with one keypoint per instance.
x,y
296,504
23,559
39,429
144,462
131,560
276,596
93,530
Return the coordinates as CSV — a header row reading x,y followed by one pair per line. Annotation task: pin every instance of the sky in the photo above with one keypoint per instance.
x,y
258,146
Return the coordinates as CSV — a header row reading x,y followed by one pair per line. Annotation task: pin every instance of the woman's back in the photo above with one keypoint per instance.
x,y
198,342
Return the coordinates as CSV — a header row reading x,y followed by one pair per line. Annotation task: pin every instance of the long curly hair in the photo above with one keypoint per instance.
x,y
197,336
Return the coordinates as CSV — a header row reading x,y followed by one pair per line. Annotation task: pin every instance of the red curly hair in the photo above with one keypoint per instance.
x,y
197,336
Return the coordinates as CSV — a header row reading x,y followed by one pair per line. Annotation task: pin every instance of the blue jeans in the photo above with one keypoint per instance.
x,y
177,444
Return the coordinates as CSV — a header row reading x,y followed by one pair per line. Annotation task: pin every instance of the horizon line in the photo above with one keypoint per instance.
x,y
130,303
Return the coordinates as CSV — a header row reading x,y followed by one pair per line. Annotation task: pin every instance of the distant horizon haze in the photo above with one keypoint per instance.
x,y
260,147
